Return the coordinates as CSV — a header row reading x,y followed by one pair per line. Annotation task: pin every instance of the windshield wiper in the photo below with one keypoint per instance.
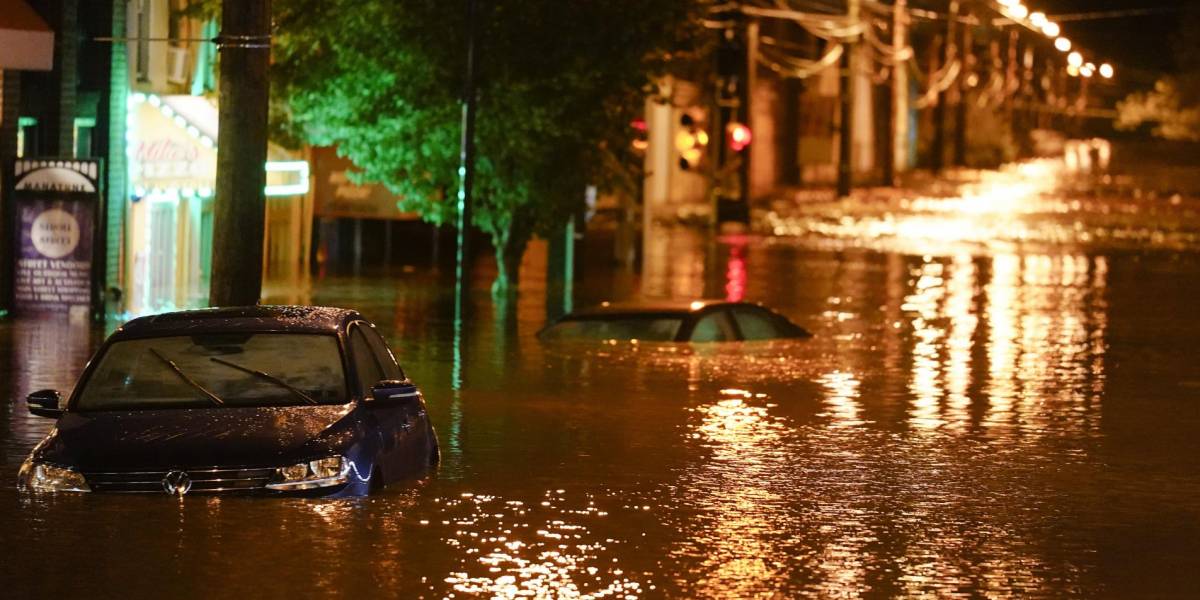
x,y
188,380
269,377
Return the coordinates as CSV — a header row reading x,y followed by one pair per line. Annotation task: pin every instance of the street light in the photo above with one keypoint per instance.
x,y
1075,59
1106,71
1051,29
1063,44
1038,19
1019,11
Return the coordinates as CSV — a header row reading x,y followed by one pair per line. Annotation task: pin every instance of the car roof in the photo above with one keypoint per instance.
x,y
294,319
638,307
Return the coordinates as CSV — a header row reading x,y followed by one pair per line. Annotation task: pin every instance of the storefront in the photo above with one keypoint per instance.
x,y
172,161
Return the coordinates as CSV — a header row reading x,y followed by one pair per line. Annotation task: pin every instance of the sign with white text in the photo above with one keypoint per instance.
x,y
55,214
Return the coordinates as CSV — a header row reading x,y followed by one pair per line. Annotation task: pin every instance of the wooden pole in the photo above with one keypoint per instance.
x,y
239,208
939,111
846,96
960,107
899,113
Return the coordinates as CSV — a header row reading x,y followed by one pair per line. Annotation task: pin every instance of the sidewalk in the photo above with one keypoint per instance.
x,y
1038,202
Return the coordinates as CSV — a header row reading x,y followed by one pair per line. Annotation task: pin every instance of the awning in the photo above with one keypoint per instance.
x,y
27,41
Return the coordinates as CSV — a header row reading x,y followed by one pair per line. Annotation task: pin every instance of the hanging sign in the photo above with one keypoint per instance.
x,y
54,205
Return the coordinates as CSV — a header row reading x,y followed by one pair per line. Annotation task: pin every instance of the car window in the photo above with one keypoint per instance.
x,y
240,369
649,328
756,323
365,364
713,327
383,354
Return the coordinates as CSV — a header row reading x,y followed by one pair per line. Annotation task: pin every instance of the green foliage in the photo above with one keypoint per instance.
x,y
559,82
1173,106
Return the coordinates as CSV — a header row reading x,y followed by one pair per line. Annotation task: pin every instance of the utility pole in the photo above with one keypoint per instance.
x,y
939,111
846,96
238,214
899,112
747,108
1011,85
466,174
960,107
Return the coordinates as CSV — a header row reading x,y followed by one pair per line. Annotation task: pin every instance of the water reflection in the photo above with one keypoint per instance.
x,y
737,541
940,435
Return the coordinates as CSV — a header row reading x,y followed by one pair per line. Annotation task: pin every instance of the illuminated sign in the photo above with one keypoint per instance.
x,y
172,150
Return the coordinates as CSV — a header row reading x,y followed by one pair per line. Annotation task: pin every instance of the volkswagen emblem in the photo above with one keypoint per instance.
x,y
177,482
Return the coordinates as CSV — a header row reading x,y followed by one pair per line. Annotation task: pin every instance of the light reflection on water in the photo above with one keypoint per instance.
x,y
963,423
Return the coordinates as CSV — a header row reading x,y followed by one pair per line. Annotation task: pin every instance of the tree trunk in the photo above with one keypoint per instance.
x,y
509,253
239,217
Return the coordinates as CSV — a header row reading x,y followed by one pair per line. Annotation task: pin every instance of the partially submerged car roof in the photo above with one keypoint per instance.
x,y
647,307
295,319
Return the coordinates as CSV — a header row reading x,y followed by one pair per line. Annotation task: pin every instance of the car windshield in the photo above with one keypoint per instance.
x,y
217,370
650,328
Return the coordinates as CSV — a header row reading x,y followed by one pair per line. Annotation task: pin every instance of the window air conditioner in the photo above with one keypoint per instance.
x,y
177,65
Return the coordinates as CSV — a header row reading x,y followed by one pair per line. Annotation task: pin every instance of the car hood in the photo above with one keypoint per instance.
x,y
148,439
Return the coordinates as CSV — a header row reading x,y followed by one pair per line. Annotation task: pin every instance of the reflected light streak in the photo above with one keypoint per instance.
x,y
959,311
1047,321
1002,333
841,398
925,384
739,537
735,275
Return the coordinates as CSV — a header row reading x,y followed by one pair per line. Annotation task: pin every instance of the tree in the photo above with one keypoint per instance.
x,y
1173,106
559,83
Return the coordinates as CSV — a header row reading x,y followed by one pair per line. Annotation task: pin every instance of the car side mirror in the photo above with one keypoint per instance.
x,y
393,391
44,403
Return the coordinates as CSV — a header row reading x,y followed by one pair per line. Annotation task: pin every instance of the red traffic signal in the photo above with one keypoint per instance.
x,y
738,136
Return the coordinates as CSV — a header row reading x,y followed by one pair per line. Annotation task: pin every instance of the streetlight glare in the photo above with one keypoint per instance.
x,y
1075,59
1106,71
1038,19
1063,44
1051,29
1019,11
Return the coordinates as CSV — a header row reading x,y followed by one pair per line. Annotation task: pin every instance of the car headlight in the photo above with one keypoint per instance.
x,y
41,477
323,472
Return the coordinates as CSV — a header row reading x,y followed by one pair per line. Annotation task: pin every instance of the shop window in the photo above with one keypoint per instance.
x,y
141,58
27,137
84,128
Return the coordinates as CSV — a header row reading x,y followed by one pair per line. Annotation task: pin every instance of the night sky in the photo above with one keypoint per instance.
x,y
1140,47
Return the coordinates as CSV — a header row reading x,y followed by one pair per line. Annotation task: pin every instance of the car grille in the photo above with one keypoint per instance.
x,y
204,480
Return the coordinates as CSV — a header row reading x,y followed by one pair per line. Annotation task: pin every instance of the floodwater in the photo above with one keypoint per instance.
x,y
978,414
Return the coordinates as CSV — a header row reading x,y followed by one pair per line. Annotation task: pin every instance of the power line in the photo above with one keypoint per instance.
x,y
1115,14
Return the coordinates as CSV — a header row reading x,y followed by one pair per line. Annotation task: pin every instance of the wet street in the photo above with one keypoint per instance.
x,y
1002,398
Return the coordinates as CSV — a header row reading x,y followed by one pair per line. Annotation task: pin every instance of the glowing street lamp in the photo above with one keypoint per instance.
x,y
1087,70
1019,11
1106,71
1063,44
1075,59
1038,19
1051,29
1073,70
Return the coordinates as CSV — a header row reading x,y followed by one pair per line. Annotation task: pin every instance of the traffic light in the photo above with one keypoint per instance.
x,y
640,133
690,141
737,135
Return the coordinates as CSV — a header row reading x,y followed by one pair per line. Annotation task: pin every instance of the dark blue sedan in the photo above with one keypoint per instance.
x,y
270,400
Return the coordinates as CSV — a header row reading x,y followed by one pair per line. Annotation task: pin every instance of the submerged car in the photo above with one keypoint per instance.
x,y
284,400
699,321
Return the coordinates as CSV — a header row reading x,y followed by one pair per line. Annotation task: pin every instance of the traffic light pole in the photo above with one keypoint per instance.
x,y
466,168
466,174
